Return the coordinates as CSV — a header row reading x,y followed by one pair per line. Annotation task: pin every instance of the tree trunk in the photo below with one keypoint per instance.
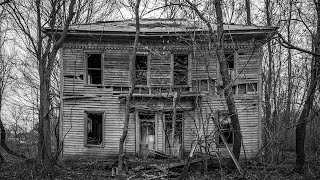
x,y
287,114
218,40
45,119
267,93
304,117
226,80
129,96
248,11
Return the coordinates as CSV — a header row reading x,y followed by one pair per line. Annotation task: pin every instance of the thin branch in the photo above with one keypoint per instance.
x,y
288,45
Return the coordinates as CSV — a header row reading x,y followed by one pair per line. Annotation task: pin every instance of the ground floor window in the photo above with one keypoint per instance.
x,y
173,133
225,128
94,128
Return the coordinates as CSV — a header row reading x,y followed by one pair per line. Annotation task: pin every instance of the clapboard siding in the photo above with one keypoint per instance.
x,y
78,97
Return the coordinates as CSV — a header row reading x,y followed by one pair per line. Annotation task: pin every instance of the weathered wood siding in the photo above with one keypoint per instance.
x,y
78,97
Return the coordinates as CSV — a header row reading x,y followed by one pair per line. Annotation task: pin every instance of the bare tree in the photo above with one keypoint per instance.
x,y
248,11
45,48
132,86
218,39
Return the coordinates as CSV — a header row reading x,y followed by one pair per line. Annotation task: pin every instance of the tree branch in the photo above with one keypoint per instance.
x,y
288,45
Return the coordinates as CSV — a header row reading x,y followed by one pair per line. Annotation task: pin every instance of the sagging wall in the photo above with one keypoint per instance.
x,y
79,98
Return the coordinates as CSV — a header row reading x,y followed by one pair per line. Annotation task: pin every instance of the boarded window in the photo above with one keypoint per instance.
x,y
225,128
180,69
141,70
94,128
94,69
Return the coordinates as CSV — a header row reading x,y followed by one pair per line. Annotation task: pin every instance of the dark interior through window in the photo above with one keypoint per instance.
x,y
180,69
230,60
141,69
94,128
94,69
225,129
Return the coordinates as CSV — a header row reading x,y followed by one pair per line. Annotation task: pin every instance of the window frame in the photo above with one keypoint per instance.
x,y
85,67
86,128
219,113
173,54
235,64
247,92
148,68
165,114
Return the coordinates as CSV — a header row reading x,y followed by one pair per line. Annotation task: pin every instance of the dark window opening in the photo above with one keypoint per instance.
x,y
220,90
249,88
94,69
141,70
173,139
147,132
227,134
180,70
230,60
242,89
252,87
225,128
94,128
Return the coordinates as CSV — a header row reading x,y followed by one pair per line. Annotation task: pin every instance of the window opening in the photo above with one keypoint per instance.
x,y
225,128
147,133
94,129
141,70
220,91
252,88
242,89
230,60
174,139
180,70
94,69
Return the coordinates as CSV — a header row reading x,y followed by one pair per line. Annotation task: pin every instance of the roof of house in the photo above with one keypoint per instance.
x,y
159,27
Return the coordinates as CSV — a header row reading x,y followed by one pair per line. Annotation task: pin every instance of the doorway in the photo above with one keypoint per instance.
x,y
147,133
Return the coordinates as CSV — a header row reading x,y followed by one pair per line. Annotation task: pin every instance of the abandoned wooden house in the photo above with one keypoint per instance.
x,y
178,89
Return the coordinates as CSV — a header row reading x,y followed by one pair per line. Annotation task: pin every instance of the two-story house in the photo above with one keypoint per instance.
x,y
178,89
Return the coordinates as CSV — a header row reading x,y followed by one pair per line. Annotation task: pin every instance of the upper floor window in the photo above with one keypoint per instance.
x,y
94,68
142,70
230,60
180,69
249,88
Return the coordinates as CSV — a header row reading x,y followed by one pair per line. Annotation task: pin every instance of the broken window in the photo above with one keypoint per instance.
x,y
200,85
230,60
249,88
173,133
94,128
141,70
242,89
220,91
225,128
180,69
252,88
147,133
94,68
